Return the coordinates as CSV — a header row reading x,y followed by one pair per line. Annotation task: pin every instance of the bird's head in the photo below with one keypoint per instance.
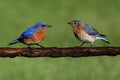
x,y
76,23
42,25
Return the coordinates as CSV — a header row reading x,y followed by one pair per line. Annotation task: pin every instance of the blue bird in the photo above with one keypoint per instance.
x,y
33,35
86,33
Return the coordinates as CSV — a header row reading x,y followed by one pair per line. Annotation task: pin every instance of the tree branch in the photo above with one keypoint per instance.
x,y
60,52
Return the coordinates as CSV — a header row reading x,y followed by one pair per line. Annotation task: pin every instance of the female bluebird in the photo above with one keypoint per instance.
x,y
86,33
33,35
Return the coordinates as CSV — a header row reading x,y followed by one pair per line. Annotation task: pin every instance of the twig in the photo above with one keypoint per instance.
x,y
60,52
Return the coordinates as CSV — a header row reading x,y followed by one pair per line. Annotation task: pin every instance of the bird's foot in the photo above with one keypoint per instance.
x,y
40,46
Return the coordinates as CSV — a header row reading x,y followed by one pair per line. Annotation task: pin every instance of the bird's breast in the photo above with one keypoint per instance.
x,y
83,36
38,36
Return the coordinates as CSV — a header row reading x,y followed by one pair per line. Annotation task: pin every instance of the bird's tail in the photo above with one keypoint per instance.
x,y
105,40
14,42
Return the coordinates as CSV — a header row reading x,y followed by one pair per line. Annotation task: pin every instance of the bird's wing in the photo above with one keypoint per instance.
x,y
91,31
28,33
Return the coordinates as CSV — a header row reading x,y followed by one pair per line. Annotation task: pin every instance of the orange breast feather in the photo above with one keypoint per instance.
x,y
79,31
38,36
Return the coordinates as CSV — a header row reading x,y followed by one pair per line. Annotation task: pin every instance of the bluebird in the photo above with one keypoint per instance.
x,y
33,35
86,33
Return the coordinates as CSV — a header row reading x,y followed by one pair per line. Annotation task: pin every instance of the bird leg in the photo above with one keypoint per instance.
x,y
82,44
40,45
91,44
29,46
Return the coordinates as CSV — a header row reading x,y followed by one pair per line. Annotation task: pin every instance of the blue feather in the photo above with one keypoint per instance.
x,y
30,31
14,42
91,31
105,40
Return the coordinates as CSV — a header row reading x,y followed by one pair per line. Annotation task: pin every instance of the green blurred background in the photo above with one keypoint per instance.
x,y
17,15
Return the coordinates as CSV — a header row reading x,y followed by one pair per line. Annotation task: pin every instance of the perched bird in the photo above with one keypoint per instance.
x,y
86,33
33,35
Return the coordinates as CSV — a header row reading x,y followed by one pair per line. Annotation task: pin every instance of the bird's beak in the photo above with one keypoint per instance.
x,y
69,22
49,25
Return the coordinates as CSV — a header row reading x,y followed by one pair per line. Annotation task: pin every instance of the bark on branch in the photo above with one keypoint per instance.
x,y
60,52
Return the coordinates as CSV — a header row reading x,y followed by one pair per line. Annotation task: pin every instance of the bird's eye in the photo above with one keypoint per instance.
x,y
75,23
43,25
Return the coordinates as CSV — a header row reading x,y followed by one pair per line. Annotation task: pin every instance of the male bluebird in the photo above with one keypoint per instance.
x,y
33,35
86,33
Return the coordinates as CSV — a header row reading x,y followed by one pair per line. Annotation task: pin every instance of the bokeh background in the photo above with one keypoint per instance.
x,y
17,15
